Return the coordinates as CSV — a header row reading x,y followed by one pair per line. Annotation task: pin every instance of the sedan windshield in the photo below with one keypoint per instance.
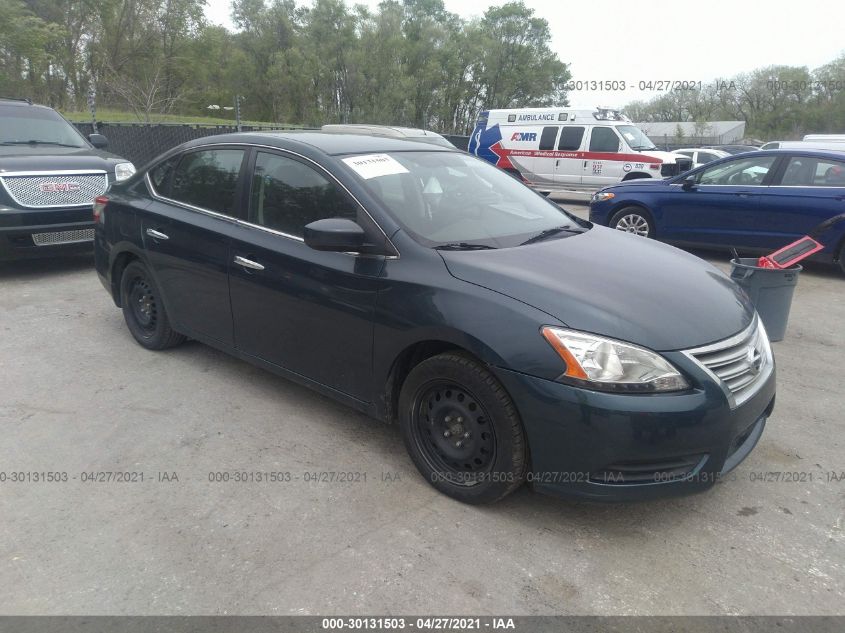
x,y
455,201
635,137
20,125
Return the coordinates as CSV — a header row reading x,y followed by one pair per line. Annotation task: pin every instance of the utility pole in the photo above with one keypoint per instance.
x,y
238,112
92,105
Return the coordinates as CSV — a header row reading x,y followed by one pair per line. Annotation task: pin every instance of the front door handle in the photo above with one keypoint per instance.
x,y
158,235
248,263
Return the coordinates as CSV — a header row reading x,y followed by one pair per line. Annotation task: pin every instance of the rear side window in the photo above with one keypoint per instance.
x,y
604,139
208,179
570,138
548,137
705,157
805,171
286,195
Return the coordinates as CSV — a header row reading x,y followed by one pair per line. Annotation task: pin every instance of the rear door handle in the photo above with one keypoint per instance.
x,y
158,235
248,263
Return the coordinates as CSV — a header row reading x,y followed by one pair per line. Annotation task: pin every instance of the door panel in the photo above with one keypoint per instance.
x,y
307,311
544,162
185,232
568,163
724,206
191,267
602,167
811,191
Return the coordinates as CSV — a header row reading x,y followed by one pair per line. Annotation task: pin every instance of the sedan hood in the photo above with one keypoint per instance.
x,y
614,284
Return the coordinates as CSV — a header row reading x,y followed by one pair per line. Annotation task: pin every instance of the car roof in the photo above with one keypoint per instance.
x,y
326,143
388,130
819,153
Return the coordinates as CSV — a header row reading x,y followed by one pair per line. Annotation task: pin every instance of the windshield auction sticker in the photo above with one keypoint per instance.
x,y
375,165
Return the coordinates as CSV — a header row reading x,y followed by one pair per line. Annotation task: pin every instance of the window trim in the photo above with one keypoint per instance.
x,y
251,150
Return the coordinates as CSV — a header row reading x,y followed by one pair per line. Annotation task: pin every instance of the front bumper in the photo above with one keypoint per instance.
x,y
45,232
615,447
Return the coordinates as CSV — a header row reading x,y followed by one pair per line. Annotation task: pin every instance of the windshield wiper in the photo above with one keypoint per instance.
x,y
463,246
551,232
34,142
642,148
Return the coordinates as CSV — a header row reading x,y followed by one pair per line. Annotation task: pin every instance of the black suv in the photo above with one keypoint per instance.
x,y
49,177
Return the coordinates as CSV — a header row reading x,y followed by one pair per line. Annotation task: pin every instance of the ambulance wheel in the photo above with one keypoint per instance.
x,y
634,220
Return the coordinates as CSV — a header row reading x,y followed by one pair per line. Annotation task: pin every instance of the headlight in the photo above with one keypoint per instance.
x,y
601,196
609,365
122,171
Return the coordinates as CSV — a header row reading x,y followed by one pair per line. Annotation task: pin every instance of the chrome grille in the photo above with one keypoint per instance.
x,y
740,362
63,237
56,189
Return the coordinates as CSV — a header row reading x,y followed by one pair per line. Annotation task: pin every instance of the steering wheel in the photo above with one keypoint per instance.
x,y
742,178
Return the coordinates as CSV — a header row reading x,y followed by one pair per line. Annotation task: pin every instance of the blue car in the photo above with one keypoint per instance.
x,y
755,202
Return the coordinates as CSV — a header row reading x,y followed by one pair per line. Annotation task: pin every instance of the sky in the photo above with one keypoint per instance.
x,y
651,41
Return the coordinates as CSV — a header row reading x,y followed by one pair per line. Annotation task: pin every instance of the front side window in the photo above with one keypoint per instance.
x,y
286,195
208,179
604,139
742,171
636,138
450,198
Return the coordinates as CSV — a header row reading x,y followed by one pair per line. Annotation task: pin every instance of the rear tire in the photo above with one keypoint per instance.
x,y
841,258
143,309
462,430
635,220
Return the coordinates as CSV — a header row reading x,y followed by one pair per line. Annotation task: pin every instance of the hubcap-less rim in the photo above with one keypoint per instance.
x,y
143,303
453,432
633,223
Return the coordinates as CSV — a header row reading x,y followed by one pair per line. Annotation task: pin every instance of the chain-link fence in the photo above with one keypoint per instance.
x,y
141,142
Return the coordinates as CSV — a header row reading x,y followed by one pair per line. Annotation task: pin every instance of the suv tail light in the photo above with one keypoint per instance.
x,y
100,203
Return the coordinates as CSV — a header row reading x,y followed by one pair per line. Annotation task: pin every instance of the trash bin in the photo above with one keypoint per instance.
x,y
770,290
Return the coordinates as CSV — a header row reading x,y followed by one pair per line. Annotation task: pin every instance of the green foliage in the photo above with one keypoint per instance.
x,y
410,62
776,102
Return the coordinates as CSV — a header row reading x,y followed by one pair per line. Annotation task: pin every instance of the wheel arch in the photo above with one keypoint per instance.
x,y
635,175
412,355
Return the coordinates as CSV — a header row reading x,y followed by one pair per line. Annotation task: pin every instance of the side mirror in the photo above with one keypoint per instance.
x,y
98,140
334,234
688,183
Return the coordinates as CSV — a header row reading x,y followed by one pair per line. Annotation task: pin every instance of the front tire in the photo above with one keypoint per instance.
x,y
635,220
143,309
462,430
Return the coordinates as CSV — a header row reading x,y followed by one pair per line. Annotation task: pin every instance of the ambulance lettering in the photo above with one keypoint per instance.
x,y
597,165
524,136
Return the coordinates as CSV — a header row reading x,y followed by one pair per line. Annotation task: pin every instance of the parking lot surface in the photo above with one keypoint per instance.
x,y
79,396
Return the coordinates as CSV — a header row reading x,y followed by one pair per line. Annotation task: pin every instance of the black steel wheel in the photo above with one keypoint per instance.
x,y
143,309
461,429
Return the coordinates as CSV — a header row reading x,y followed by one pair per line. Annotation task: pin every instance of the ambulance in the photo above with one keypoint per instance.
x,y
564,149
